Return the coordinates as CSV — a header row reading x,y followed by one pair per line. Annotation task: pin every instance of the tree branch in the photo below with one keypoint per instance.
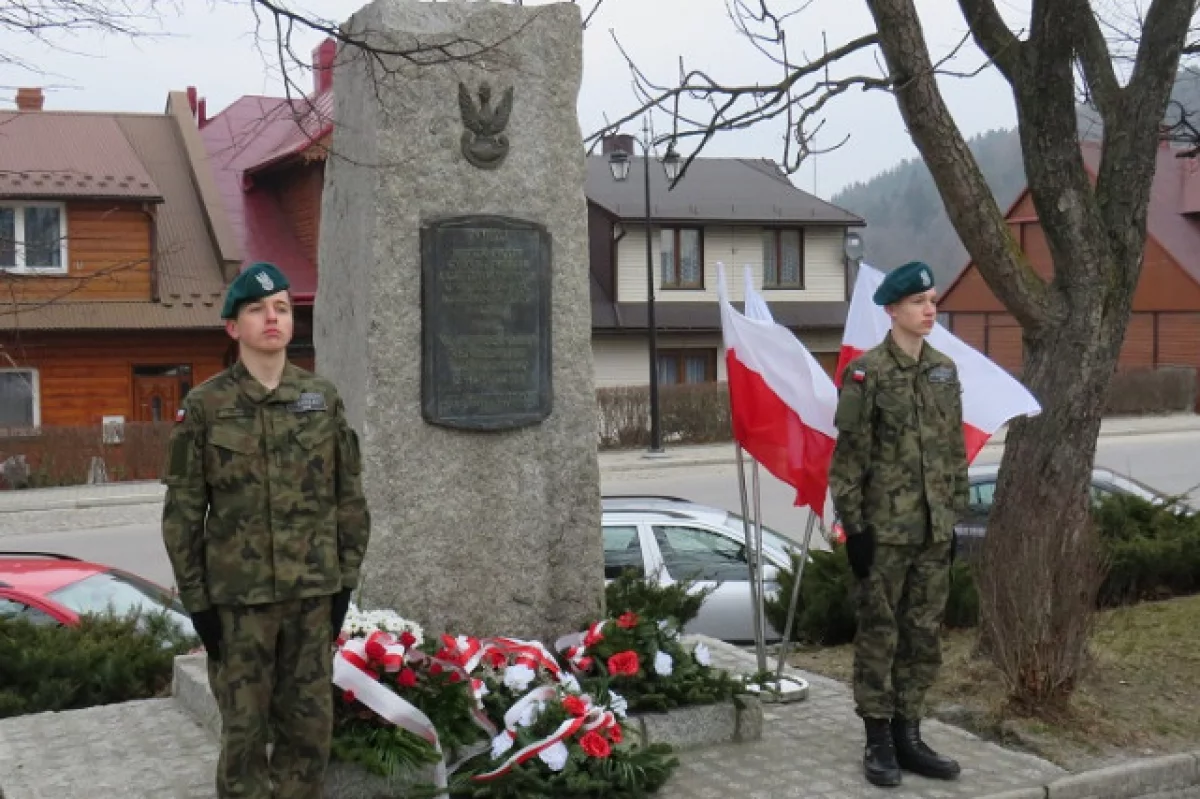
x,y
965,192
991,34
1097,64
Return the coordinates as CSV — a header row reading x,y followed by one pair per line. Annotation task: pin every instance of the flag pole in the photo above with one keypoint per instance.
x,y
741,470
787,629
760,619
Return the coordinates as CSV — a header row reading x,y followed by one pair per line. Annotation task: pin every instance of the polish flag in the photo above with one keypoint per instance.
x,y
781,400
991,396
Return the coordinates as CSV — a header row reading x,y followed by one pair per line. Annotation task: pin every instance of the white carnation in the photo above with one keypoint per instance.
x,y
702,655
501,744
555,756
571,684
518,676
618,704
663,664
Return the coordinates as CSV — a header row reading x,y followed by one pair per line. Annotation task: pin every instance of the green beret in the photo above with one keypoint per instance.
x,y
255,282
904,281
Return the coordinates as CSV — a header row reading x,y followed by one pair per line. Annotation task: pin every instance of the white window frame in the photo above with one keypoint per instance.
x,y
35,381
19,245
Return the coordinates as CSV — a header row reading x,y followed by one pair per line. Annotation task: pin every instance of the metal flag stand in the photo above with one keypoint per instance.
x,y
778,688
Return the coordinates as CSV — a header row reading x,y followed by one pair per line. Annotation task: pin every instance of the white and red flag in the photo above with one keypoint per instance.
x,y
781,400
991,396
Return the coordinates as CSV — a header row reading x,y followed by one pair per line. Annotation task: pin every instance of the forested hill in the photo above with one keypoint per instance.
x,y
906,219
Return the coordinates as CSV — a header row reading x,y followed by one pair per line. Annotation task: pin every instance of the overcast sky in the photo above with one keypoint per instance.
x,y
211,44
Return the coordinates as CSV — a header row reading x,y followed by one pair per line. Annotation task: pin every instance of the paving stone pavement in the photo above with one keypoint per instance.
x,y
153,750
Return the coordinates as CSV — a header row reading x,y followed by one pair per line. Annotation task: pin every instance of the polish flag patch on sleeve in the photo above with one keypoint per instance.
x,y
858,375
180,415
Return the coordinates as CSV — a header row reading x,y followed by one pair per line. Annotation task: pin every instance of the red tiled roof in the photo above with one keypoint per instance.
x,y
70,155
313,120
251,133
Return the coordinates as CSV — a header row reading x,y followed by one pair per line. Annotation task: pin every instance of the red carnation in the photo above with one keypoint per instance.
x,y
407,678
575,706
375,650
627,621
455,677
435,669
614,733
584,664
594,745
623,664
407,638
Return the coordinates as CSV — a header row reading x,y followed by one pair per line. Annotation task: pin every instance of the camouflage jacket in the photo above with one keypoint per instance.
x,y
264,492
900,464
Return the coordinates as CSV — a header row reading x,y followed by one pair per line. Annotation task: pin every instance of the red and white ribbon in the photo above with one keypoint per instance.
x,y
352,672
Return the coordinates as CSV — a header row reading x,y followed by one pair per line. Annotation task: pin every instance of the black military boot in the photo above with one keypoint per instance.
x,y
914,755
879,757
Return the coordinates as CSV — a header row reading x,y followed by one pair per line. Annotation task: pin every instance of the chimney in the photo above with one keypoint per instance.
x,y
617,141
323,56
201,112
30,99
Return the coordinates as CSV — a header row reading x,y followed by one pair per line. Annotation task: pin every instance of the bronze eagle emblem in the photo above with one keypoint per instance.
x,y
484,143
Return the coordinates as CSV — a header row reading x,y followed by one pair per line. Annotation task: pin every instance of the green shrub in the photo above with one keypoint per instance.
x,y
825,610
101,661
825,614
1153,551
962,606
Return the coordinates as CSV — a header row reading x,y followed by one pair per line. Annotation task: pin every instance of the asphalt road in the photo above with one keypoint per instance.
x,y
1167,462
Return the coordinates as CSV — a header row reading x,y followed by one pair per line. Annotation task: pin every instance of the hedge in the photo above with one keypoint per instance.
x,y
1152,552
102,660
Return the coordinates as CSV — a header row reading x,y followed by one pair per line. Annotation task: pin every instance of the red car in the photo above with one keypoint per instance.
x,y
48,588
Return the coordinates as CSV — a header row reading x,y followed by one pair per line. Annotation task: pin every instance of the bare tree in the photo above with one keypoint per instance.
x,y
1041,572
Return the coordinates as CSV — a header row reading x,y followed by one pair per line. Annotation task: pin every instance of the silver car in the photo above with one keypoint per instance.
x,y
676,539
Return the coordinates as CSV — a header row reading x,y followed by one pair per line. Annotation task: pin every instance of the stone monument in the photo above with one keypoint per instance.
x,y
454,313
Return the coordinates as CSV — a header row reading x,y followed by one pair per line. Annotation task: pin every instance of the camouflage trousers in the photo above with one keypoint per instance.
x,y
897,651
273,682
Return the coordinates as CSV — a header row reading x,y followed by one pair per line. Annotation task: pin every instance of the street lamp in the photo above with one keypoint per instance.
x,y
852,245
619,162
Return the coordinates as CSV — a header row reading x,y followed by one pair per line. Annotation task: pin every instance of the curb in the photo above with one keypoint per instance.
x,y
1150,777
996,442
86,503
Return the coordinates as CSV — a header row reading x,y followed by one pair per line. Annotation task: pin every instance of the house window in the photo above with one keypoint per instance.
x,y
783,259
33,237
689,366
19,399
682,258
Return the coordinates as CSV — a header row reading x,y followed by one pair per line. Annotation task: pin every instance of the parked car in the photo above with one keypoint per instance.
x,y
972,527
48,588
676,539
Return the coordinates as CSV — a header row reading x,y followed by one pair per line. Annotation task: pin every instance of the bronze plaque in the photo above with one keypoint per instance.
x,y
485,323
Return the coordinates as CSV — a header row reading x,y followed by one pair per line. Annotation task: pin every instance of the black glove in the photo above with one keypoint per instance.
x,y
208,627
860,549
338,607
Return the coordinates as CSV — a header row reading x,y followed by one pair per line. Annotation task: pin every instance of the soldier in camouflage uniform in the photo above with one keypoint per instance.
x,y
266,525
899,481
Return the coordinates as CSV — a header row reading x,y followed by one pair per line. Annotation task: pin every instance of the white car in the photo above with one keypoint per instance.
x,y
676,539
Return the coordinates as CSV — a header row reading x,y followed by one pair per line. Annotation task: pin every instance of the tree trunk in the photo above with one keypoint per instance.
x,y
1041,569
